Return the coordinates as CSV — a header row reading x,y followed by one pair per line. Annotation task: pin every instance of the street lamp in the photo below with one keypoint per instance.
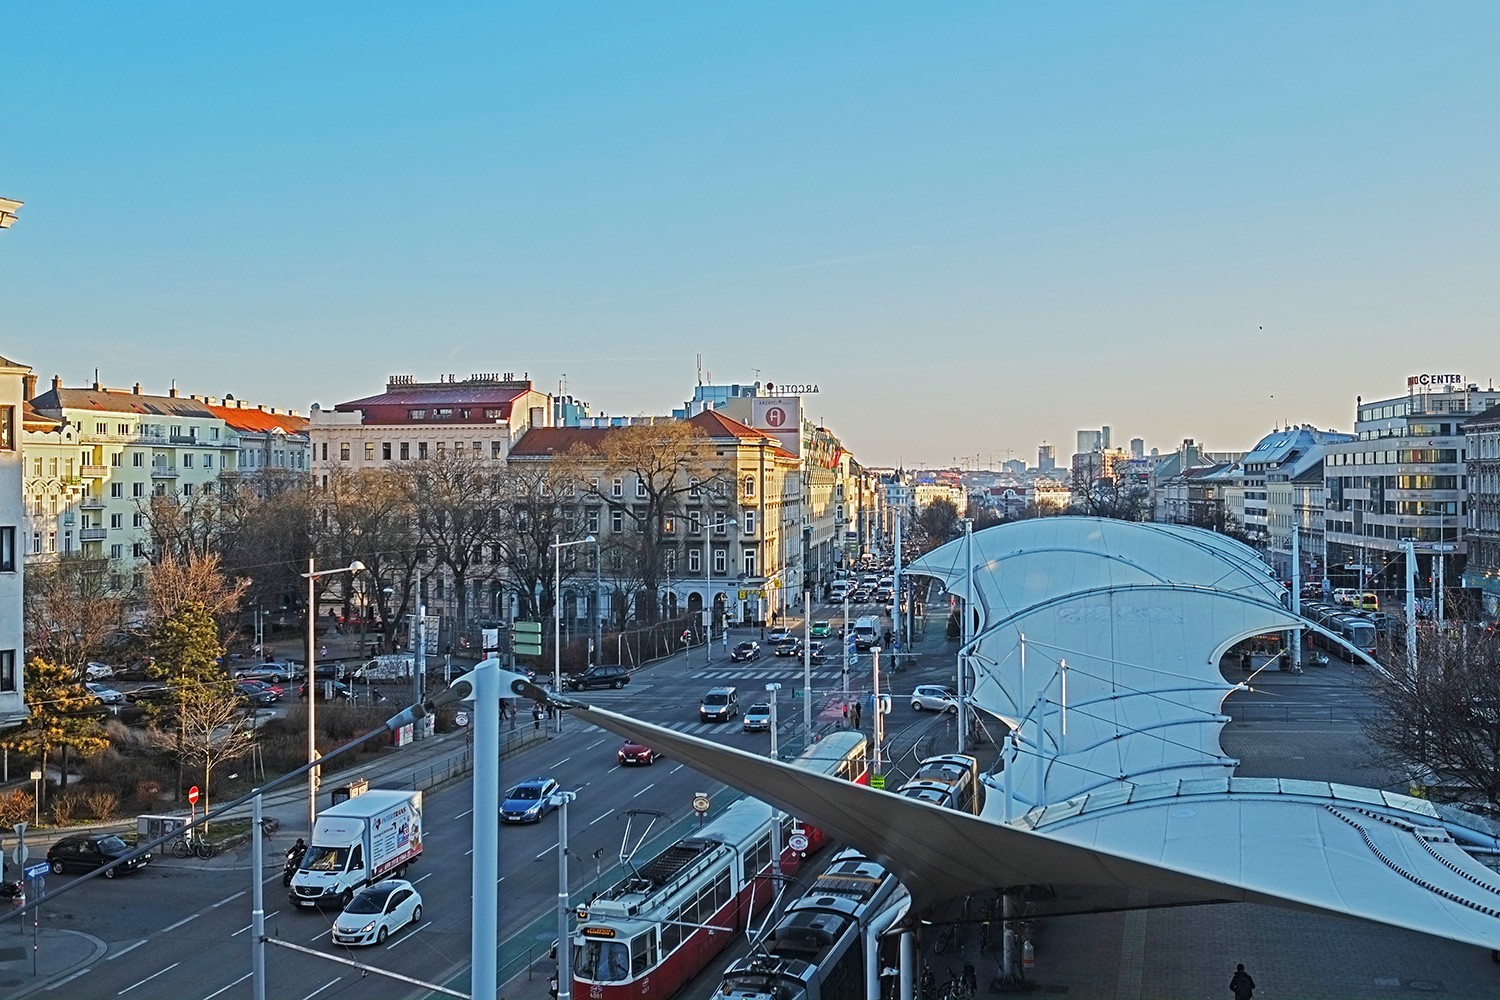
x,y
36,796
557,546
312,575
773,692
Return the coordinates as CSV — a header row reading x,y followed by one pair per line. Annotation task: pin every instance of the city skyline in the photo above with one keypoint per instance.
x,y
985,227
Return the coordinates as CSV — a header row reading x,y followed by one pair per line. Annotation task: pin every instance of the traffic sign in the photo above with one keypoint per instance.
x,y
19,854
877,781
700,803
797,842
193,795
460,718
40,869
526,638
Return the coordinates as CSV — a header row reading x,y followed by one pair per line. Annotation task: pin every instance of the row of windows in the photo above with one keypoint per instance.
x,y
1394,456
404,452
448,413
1336,484
1392,532
697,909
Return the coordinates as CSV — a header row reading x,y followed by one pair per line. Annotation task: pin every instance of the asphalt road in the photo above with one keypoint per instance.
x,y
179,929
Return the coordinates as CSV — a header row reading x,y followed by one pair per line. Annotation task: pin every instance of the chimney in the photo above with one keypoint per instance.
x,y
29,383
136,389
97,386
172,392
57,383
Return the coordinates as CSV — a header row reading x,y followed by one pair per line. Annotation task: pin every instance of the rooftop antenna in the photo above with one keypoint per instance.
x,y
699,358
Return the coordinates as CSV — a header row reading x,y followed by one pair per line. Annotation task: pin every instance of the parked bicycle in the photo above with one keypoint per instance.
x,y
190,844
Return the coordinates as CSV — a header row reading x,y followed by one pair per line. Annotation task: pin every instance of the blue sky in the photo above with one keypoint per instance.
x,y
973,226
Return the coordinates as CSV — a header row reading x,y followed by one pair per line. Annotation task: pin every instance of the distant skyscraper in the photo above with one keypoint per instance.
x,y
1104,438
1090,441
1046,458
1137,448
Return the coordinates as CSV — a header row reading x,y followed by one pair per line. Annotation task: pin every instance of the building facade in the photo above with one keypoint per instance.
x,y
1482,527
13,710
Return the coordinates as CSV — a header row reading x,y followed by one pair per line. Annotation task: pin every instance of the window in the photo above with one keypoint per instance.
x,y
749,562
421,449
695,522
497,449
8,428
694,561
442,413
117,520
494,414
669,525
7,670
344,452
720,523
720,560
693,488
138,460
7,550
36,543
139,521
591,520
640,488
138,550
187,461
116,460
325,451
619,488
405,450
616,520
187,489
749,522
385,451
416,414
749,486
116,551
117,490
369,451
137,490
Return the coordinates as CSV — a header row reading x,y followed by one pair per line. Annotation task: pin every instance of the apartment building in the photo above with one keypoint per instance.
x,y
1482,527
267,439
13,710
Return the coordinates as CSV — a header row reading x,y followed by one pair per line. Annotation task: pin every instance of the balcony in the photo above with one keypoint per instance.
x,y
93,534
91,503
95,471
163,472
177,438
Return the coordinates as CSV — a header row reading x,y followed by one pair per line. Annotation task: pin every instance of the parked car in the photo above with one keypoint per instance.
x,y
276,673
98,671
376,911
933,698
529,801
148,694
757,719
610,675
328,691
252,692
636,753
87,851
274,690
745,651
104,695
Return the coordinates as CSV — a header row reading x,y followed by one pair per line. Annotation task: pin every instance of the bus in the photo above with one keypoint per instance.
x,y
817,950
660,926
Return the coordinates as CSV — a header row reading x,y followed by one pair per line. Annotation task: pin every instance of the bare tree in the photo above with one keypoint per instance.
x,y
171,583
457,499
369,515
935,523
1111,496
71,610
1438,723
539,506
660,465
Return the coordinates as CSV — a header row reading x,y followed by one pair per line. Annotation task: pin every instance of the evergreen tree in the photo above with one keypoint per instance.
x,y
64,715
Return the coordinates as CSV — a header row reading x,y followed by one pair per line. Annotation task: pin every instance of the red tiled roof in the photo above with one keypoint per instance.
x,y
543,441
245,418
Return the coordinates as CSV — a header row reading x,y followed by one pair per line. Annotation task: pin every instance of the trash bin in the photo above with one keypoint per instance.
x,y
343,793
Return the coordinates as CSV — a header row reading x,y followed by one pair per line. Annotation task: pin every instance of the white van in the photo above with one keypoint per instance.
x,y
838,590
866,632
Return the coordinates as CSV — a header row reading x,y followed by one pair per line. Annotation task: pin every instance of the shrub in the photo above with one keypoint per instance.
x,y
16,807
66,807
102,803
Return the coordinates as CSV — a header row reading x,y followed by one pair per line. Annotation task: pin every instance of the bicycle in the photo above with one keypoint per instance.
x,y
188,845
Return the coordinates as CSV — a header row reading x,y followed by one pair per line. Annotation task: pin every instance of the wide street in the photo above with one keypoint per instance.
x,y
179,928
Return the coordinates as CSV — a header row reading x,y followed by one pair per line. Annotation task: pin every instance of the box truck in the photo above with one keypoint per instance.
x,y
357,842
866,632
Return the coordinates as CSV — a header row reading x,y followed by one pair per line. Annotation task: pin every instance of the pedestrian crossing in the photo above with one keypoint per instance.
x,y
741,675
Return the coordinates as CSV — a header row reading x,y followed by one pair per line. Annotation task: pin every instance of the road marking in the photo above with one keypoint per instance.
x,y
547,851
606,815
148,979
463,814
679,767
468,852
229,899
500,879
562,762
62,982
416,880
320,989
245,928
221,989
593,744
410,934
123,950
643,791
321,933
179,923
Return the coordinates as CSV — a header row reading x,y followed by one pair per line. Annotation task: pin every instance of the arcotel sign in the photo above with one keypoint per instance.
x,y
1422,381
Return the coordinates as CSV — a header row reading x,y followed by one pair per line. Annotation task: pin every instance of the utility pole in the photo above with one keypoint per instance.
x,y
967,635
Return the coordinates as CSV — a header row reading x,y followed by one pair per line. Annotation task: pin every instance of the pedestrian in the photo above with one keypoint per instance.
x,y
552,987
1241,985
1245,661
857,713
537,715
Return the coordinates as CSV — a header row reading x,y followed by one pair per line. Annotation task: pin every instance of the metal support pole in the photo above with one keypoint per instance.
x,y
1411,605
257,905
774,690
312,696
908,963
1040,798
419,664
878,726
1294,636
807,666
844,637
967,634
484,903
557,621
897,616
564,945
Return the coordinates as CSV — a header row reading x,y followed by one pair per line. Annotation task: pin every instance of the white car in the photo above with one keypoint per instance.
x,y
105,695
933,698
376,910
98,671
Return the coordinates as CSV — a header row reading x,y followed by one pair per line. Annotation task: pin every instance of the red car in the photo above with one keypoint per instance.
x,y
636,753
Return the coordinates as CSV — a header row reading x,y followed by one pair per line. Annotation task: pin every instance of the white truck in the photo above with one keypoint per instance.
x,y
357,842
866,632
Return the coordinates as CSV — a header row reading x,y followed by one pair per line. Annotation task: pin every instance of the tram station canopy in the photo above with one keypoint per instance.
x,y
1095,656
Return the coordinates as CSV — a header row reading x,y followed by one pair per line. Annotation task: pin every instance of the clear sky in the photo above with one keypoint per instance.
x,y
974,226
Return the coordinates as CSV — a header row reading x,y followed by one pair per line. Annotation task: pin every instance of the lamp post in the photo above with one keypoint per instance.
x,y
564,908
773,691
557,546
312,575
36,796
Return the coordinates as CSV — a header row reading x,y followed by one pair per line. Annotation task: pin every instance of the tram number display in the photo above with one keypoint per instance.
x,y
797,842
599,932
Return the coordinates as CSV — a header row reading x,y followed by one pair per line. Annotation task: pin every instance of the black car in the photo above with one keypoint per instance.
x,y
745,651
87,851
254,693
328,691
788,647
610,675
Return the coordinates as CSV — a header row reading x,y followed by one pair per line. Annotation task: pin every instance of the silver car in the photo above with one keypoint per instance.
x,y
933,698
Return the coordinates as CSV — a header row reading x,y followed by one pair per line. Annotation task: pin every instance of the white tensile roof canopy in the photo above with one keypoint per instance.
x,y
1098,643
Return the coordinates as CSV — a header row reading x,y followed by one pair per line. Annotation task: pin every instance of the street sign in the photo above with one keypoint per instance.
x,y
700,803
40,869
193,795
526,638
877,781
19,855
797,842
460,718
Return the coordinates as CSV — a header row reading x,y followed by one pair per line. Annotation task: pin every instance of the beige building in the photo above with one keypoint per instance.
x,y
12,523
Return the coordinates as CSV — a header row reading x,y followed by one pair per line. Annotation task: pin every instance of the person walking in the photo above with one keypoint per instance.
x,y
1241,985
537,715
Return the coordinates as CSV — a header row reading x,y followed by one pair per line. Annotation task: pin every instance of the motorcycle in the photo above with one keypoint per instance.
x,y
293,862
